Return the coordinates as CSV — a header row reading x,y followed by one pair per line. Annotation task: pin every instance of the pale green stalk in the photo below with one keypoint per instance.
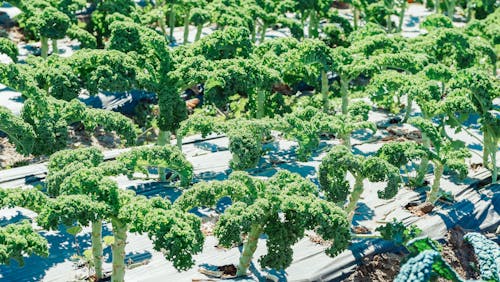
x,y
451,9
249,249
172,21
424,164
354,198
186,27
261,100
163,139
344,94
118,250
324,89
438,173
199,29
402,16
96,237
263,32
44,46
55,49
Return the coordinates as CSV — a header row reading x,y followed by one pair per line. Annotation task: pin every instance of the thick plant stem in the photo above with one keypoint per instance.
x,y
161,24
186,27
249,249
470,11
345,109
178,139
171,22
356,17
389,22
409,105
199,29
344,94
263,33
494,172
261,100
438,173
303,20
118,250
424,164
486,149
451,9
44,46
163,139
324,89
313,30
254,31
354,198
436,6
96,237
55,49
491,149
402,16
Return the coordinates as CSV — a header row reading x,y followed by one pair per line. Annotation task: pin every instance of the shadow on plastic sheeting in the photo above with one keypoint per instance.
x,y
137,257
363,212
156,189
19,216
61,248
33,180
358,152
359,247
475,146
362,135
207,146
210,175
461,213
220,207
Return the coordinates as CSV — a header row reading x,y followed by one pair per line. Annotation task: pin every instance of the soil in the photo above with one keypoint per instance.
x,y
379,268
401,133
10,158
459,254
385,267
78,138
224,272
420,210
228,269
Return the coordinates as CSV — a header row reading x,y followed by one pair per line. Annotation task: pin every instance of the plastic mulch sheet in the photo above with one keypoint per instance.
x,y
473,209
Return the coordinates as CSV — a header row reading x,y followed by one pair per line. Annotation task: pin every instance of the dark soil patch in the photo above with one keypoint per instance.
x,y
378,268
78,138
459,254
229,269
420,210
385,267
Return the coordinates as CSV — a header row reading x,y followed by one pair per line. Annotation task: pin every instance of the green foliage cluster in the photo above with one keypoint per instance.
x,y
333,177
161,156
282,207
18,240
19,132
9,48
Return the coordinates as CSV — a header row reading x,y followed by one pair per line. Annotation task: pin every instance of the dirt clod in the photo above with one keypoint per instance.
x,y
421,209
385,267
459,254
229,269
378,268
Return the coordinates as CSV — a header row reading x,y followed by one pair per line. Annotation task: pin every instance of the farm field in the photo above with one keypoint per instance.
x,y
249,140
